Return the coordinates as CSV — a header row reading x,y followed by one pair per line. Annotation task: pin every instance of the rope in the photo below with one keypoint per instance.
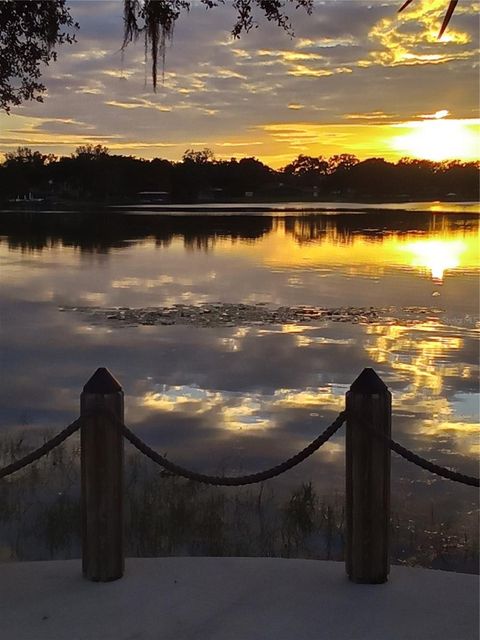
x,y
41,451
261,476
422,462
430,466
238,480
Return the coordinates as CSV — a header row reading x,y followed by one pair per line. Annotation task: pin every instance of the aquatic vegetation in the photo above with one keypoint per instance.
x,y
165,515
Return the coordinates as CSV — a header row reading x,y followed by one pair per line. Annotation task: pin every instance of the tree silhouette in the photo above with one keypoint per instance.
x,y
25,156
306,165
92,173
198,157
90,152
342,162
29,32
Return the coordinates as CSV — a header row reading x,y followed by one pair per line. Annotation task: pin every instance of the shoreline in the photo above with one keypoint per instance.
x,y
246,208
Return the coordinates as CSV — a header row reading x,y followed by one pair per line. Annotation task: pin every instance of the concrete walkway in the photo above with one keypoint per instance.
x,y
233,599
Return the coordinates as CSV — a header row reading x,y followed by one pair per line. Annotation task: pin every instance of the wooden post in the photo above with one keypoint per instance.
x,y
102,478
368,480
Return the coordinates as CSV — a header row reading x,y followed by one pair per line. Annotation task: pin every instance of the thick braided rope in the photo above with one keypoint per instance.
x,y
41,451
430,466
422,462
239,480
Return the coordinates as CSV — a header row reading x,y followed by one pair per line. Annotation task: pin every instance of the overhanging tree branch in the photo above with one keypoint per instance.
x,y
451,8
29,32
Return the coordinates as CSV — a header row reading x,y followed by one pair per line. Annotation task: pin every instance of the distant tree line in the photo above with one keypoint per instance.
x,y
93,173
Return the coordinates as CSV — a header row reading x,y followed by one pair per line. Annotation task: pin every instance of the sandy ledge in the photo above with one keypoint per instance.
x,y
234,599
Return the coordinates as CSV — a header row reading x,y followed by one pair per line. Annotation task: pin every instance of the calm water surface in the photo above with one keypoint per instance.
x,y
237,399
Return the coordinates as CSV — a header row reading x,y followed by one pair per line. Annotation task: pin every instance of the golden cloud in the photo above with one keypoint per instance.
x,y
412,38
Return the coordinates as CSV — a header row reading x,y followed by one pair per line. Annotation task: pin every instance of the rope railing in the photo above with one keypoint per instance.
x,y
444,472
433,468
41,451
176,470
367,474
236,481
173,469
437,469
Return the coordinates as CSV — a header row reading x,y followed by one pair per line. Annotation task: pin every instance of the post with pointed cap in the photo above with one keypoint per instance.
x,y
102,478
369,408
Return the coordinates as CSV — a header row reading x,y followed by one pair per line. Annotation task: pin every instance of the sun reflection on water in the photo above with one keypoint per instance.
x,y
306,244
436,255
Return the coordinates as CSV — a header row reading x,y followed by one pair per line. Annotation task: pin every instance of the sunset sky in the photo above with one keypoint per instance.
x,y
356,78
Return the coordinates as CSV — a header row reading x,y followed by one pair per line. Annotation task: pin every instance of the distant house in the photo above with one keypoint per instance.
x,y
26,198
279,190
211,194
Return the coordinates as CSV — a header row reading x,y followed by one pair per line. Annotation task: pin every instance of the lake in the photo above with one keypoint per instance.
x,y
239,397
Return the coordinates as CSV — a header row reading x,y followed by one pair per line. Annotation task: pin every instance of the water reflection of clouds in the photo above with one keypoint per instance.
x,y
182,398
306,341
432,367
464,434
234,411
255,393
420,354
147,283
466,405
97,332
231,344
286,410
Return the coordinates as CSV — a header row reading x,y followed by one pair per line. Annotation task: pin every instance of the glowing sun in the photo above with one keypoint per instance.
x,y
438,138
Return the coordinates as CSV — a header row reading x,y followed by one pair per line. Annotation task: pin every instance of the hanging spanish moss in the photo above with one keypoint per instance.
x,y
154,20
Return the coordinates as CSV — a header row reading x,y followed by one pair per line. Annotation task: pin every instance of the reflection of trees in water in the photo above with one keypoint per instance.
x,y
343,228
101,232
98,233
313,229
